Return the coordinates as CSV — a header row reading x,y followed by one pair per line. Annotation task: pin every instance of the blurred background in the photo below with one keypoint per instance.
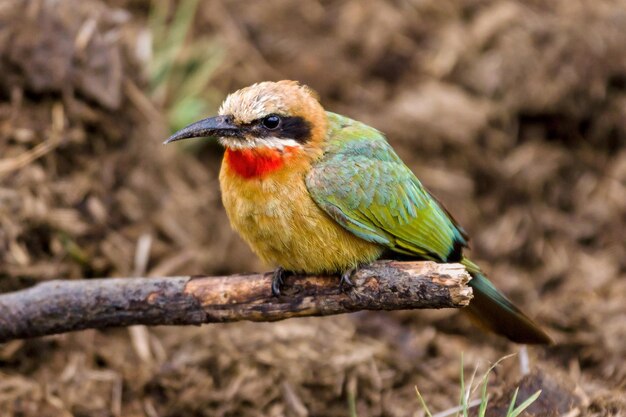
x,y
513,113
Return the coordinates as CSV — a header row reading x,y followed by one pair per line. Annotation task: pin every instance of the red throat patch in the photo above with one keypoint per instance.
x,y
255,163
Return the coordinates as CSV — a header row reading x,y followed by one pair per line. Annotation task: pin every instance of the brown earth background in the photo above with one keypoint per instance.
x,y
513,113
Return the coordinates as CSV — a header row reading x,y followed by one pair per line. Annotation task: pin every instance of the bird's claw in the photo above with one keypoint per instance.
x,y
346,283
279,275
278,280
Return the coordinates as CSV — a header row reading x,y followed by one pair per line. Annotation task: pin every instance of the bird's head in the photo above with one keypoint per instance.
x,y
265,116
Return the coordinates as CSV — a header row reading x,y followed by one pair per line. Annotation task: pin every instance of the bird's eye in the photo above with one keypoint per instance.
x,y
271,122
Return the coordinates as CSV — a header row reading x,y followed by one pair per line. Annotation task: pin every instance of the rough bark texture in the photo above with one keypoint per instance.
x,y
61,306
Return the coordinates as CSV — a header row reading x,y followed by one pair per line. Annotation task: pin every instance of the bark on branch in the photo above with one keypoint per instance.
x,y
62,306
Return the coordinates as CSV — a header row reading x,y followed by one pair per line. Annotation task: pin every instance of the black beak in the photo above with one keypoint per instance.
x,y
218,126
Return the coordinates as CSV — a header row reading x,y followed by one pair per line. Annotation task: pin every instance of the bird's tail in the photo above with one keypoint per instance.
x,y
492,310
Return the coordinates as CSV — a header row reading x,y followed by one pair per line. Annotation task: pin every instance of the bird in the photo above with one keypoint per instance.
x,y
312,191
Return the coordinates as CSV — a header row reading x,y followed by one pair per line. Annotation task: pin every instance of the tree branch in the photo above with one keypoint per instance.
x,y
62,306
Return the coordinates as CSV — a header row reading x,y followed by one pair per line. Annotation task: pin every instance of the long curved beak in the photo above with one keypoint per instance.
x,y
218,126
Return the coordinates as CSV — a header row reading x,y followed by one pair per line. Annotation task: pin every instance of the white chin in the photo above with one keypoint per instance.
x,y
256,143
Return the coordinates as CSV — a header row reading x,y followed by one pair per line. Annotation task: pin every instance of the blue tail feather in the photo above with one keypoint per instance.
x,y
492,310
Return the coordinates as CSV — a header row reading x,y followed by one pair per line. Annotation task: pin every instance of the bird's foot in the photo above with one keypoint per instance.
x,y
346,283
278,280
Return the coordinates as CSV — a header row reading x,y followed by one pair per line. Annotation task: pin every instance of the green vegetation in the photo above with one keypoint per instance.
x,y
182,65
465,404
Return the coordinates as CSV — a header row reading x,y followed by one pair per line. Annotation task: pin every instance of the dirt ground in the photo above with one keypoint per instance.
x,y
512,112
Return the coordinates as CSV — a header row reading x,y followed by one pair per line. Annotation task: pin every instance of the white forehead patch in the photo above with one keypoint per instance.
x,y
252,103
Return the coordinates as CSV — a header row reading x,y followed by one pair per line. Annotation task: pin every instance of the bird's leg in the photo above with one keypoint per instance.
x,y
278,279
346,283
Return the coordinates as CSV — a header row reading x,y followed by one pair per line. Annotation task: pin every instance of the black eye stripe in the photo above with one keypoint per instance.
x,y
291,127
296,128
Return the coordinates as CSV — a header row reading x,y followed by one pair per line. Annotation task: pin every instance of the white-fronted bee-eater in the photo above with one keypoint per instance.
x,y
315,192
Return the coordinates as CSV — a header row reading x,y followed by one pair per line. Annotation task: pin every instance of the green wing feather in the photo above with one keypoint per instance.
x,y
364,186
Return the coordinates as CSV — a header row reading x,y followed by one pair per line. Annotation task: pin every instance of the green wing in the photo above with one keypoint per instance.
x,y
364,186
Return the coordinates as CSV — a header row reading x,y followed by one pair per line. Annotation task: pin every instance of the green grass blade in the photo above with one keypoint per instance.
x,y
352,404
424,406
463,401
512,404
492,367
483,397
517,411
